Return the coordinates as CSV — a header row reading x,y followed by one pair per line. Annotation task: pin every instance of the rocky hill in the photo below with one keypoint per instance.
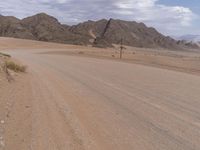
x,y
102,33
47,28
189,38
107,32
11,27
40,27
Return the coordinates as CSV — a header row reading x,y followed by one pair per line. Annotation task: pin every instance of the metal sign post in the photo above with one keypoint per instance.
x,y
121,49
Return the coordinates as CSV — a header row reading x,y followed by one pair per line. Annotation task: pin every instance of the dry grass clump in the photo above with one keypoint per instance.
x,y
15,67
5,55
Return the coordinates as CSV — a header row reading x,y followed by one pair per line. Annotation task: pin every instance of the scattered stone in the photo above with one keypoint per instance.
x,y
2,144
81,52
7,107
27,106
1,130
2,121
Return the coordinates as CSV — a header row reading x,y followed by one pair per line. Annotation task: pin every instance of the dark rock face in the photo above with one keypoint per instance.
x,y
11,27
107,32
133,34
43,27
102,33
47,28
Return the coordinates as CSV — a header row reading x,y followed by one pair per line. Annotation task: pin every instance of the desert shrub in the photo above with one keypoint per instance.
x,y
15,67
3,54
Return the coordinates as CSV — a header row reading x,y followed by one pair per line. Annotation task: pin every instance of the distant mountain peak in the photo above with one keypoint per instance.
x,y
189,38
40,16
101,33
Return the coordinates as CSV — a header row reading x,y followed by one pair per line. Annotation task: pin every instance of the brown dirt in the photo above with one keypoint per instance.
x,y
74,102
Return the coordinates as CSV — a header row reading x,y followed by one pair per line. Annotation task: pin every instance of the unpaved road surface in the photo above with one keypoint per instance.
x,y
74,103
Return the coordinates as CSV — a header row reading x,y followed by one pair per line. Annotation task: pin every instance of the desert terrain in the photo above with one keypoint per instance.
x,y
80,97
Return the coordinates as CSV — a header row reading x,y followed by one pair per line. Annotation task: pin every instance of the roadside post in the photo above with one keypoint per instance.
x,y
121,48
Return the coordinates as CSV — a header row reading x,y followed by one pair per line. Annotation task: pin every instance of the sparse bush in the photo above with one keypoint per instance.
x,y
6,55
15,67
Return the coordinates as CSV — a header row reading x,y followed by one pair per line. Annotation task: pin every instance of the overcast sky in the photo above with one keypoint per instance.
x,y
171,17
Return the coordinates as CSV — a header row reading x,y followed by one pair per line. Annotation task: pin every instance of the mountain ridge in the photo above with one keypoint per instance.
x,y
101,33
189,37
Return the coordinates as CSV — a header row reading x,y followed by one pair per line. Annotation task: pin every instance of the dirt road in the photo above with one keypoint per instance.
x,y
73,103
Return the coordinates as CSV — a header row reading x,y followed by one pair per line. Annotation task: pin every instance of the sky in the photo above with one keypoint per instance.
x,y
170,17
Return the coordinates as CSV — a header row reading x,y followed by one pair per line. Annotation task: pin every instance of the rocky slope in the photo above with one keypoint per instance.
x,y
189,38
107,32
102,33
47,28
11,27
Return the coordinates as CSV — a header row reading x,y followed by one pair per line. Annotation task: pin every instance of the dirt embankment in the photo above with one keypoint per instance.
x,y
4,73
182,61
13,43
13,84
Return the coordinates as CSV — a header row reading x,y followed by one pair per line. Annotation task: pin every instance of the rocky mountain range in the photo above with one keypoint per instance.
x,y
189,38
102,33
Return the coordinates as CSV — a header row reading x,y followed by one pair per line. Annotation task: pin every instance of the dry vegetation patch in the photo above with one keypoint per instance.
x,y
9,64
4,55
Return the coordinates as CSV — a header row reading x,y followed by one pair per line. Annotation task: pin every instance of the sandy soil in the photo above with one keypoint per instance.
x,y
173,60
184,61
75,102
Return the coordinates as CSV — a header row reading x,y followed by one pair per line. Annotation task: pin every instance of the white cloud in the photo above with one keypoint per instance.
x,y
131,4
53,1
150,11
166,18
